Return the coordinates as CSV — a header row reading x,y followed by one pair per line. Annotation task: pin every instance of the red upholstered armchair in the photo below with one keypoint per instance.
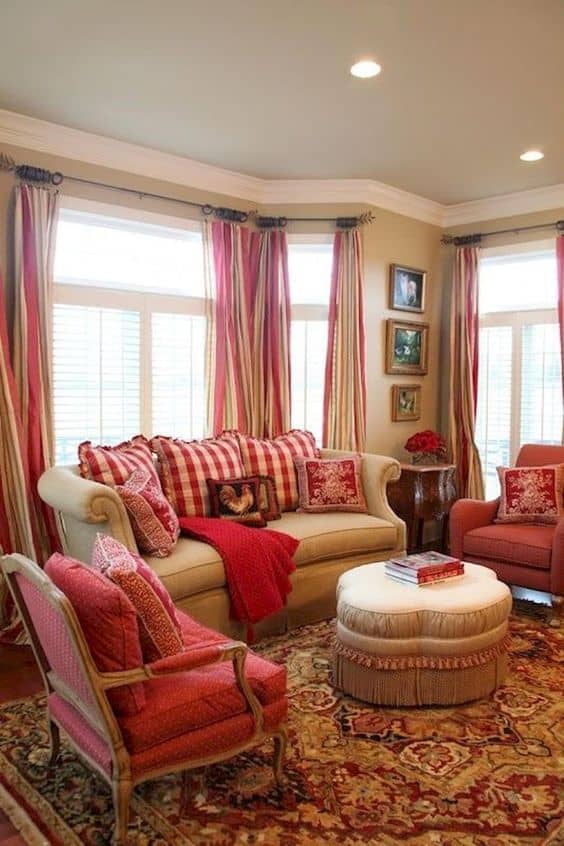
x,y
203,705
525,554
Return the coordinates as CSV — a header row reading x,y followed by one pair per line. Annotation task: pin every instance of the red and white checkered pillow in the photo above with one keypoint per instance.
x,y
275,458
184,467
113,465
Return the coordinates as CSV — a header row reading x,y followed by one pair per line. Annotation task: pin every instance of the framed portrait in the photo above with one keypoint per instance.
x,y
406,402
407,288
406,347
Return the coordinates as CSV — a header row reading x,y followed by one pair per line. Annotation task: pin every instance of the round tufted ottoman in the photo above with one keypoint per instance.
x,y
440,644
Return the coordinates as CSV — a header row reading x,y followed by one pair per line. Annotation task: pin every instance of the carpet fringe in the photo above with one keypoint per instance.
x,y
20,820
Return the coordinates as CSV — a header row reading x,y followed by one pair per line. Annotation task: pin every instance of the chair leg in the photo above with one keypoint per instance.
x,y
558,604
121,793
54,742
280,744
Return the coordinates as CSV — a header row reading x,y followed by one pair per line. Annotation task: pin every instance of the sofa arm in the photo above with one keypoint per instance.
x,y
557,561
465,515
85,507
376,473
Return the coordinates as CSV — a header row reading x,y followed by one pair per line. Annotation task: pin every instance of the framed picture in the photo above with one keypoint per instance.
x,y
407,288
406,347
406,402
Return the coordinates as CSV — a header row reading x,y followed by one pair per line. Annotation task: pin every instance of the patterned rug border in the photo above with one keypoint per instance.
x,y
21,820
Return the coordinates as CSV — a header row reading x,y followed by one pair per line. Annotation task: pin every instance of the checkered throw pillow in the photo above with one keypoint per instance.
x,y
184,467
275,458
113,465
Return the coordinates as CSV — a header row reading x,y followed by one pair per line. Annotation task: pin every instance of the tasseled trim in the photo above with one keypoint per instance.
x,y
423,662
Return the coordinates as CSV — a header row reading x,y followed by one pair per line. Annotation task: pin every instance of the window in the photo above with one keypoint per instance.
x,y
519,385
129,328
309,264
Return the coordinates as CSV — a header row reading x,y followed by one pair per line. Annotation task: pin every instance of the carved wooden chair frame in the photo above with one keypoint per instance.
x,y
101,716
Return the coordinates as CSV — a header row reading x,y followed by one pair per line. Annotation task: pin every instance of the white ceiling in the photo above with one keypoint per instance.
x,y
262,87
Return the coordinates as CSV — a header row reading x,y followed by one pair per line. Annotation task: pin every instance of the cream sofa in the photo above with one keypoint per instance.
x,y
330,544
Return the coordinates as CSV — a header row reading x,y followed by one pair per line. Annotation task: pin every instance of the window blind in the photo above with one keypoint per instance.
x,y
493,422
541,386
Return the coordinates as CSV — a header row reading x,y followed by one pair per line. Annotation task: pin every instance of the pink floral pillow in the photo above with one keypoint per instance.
x,y
332,484
159,629
531,494
153,519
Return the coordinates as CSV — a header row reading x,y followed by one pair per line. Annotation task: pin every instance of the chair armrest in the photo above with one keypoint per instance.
x,y
468,514
191,659
557,561
376,472
86,502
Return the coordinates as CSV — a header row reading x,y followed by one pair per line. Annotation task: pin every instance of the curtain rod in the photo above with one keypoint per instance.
x,y
41,176
467,240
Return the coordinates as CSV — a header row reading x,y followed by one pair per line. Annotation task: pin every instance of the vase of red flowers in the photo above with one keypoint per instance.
x,y
426,447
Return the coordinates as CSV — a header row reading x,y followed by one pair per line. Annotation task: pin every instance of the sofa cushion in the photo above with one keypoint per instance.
x,y
275,458
192,700
113,465
336,535
108,621
184,467
192,567
236,500
519,543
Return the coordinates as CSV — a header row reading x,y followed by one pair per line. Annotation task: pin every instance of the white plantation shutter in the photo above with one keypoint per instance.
x,y
541,386
493,422
178,388
96,376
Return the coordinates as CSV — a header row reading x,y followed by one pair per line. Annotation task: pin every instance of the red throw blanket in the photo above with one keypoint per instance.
x,y
257,564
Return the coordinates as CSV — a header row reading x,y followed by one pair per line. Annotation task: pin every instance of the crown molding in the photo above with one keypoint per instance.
x,y
63,141
505,205
33,134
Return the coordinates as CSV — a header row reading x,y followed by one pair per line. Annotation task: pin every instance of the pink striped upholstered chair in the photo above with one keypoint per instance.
x,y
525,554
249,696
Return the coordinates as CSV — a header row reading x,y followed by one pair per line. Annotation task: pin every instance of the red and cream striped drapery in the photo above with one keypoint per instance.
x,y
271,333
344,407
36,211
463,395
560,282
229,351
16,527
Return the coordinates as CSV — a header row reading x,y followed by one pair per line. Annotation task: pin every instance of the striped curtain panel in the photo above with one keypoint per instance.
x,y
229,352
16,528
463,395
36,212
560,283
271,333
344,407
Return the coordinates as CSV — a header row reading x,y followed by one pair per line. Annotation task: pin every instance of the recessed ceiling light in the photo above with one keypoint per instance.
x,y
366,69
531,156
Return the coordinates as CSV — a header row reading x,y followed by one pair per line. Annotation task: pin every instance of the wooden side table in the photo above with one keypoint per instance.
x,y
423,492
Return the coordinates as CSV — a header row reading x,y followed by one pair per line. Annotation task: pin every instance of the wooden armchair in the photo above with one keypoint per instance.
x,y
525,554
123,748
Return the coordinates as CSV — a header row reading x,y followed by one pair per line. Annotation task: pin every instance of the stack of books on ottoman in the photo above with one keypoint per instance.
x,y
424,569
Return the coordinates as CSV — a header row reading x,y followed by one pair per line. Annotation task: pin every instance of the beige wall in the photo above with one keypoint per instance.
x,y
390,238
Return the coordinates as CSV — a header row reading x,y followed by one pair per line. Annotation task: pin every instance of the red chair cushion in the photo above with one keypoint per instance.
x,y
191,701
108,621
517,543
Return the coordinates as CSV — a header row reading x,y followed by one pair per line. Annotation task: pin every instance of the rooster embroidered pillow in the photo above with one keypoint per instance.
x,y
237,500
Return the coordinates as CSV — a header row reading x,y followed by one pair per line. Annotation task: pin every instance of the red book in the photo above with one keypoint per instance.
x,y
427,562
415,577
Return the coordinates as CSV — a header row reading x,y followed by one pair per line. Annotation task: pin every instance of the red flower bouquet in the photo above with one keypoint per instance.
x,y
427,446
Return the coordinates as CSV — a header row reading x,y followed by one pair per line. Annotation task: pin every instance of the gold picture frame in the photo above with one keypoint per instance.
x,y
407,288
406,402
407,347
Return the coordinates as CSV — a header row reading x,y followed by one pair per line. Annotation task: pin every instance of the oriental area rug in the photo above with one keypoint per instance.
x,y
483,774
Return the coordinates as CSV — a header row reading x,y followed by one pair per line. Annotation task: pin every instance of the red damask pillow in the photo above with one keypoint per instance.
x,y
113,465
153,519
332,484
275,458
159,629
185,465
531,494
236,500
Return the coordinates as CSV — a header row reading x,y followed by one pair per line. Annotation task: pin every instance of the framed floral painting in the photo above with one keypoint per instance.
x,y
406,402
